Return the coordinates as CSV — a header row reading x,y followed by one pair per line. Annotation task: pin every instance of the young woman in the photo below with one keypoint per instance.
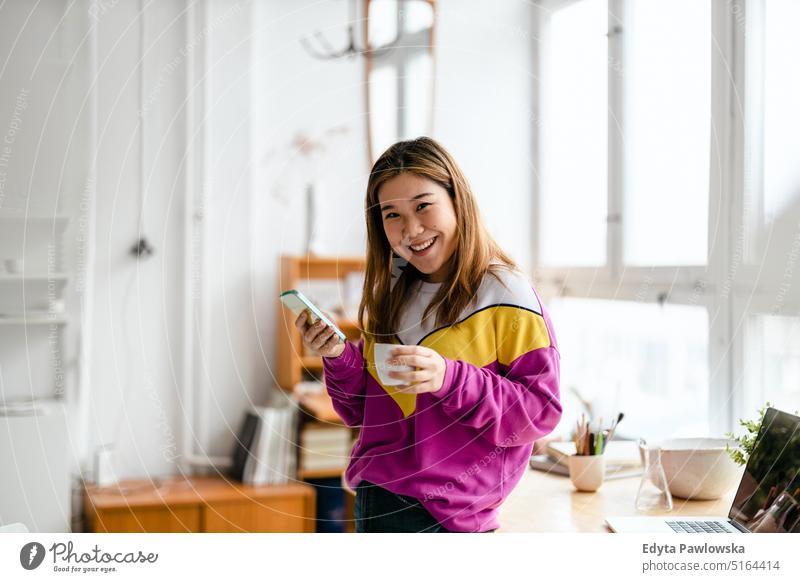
x,y
442,451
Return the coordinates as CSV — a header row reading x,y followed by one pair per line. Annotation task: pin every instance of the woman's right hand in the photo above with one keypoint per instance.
x,y
320,337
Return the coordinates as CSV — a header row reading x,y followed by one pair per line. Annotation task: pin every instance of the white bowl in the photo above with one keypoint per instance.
x,y
699,468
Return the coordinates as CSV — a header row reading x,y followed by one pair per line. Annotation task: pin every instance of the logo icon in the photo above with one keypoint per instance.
x,y
31,555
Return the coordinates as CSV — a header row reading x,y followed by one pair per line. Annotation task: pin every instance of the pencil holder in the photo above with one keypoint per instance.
x,y
587,471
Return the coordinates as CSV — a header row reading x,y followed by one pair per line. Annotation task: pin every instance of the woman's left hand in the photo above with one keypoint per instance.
x,y
429,373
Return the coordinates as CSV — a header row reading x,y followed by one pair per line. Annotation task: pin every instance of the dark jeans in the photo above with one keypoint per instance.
x,y
379,510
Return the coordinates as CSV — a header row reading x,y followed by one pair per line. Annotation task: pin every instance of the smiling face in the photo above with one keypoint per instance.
x,y
420,223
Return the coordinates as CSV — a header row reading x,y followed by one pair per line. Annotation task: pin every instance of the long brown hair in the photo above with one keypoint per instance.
x,y
476,253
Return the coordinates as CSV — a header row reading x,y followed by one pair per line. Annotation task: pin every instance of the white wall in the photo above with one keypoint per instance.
x,y
137,303
137,365
484,101
295,96
234,369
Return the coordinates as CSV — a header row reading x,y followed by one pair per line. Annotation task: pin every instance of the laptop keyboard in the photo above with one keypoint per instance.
x,y
699,527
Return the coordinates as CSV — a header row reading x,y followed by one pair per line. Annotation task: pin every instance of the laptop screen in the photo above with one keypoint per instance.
x,y
768,498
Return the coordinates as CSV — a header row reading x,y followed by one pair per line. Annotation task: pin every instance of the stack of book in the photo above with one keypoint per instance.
x,y
622,459
325,447
265,448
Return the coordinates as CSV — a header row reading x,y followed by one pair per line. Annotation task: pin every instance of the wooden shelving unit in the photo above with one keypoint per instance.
x,y
295,364
293,361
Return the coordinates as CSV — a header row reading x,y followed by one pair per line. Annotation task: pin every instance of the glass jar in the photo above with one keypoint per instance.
x,y
653,493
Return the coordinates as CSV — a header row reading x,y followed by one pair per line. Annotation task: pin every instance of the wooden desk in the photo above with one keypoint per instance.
x,y
542,502
200,504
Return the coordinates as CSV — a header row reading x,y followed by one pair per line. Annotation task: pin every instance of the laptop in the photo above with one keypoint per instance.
x,y
768,497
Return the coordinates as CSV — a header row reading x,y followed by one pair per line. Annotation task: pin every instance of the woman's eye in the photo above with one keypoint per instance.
x,y
390,215
423,205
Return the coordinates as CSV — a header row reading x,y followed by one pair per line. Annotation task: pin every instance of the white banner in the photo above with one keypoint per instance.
x,y
411,558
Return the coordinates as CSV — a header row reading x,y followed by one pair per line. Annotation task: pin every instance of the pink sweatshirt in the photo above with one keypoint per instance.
x,y
462,449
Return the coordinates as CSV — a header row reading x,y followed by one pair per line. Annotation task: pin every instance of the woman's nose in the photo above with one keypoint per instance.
x,y
411,228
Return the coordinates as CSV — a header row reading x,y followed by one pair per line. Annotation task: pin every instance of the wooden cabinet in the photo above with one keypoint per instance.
x,y
199,504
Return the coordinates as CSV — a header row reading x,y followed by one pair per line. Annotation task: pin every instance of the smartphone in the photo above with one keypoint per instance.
x,y
298,303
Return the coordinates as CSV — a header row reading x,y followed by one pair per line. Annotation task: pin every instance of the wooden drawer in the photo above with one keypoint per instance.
x,y
176,519
293,514
200,504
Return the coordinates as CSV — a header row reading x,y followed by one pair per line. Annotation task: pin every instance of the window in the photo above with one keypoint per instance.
x,y
625,133
768,305
400,71
781,114
417,97
772,124
668,240
644,359
667,107
772,372
383,88
574,116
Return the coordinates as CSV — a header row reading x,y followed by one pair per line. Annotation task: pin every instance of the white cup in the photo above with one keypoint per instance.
x,y
587,471
104,466
384,365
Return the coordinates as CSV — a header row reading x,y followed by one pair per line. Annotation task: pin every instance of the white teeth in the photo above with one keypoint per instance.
x,y
424,246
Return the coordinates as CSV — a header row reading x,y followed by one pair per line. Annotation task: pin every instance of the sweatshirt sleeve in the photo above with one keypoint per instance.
x,y
519,403
346,381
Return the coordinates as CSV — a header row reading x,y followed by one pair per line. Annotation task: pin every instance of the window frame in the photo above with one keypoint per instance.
x,y
725,278
413,45
744,306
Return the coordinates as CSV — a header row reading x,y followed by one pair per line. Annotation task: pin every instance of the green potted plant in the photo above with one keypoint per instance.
x,y
746,442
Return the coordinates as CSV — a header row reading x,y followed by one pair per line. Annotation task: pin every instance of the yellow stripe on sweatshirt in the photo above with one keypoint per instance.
x,y
500,332
406,402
